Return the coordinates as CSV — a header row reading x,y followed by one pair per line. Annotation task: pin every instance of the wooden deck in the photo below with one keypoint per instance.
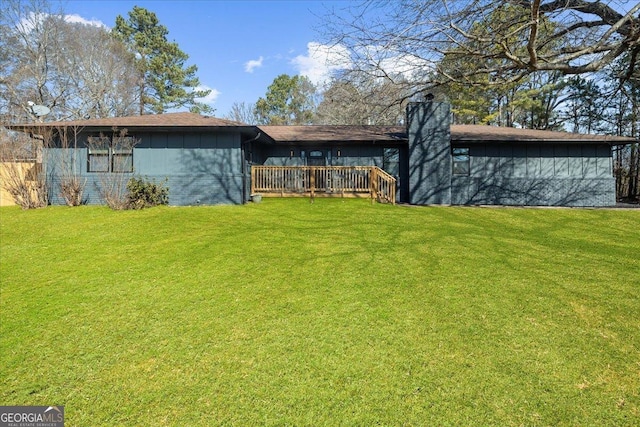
x,y
323,181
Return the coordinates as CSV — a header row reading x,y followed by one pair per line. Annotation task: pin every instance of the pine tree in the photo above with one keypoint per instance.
x,y
288,101
165,80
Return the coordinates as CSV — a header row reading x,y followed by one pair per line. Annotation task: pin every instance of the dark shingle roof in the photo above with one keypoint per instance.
x,y
335,133
480,133
459,133
184,119
329,133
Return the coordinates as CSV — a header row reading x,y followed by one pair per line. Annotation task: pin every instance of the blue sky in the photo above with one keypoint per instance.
x,y
239,46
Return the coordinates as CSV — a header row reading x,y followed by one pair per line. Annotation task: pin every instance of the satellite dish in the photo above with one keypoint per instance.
x,y
40,110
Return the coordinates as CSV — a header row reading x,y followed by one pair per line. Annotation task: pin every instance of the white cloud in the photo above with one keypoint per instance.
x,y
77,19
411,67
209,99
384,62
32,20
251,65
321,60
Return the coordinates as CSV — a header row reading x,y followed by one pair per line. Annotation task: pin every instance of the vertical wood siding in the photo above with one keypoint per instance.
x,y
199,168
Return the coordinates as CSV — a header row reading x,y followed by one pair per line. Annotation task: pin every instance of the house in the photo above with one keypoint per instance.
x,y
202,158
206,160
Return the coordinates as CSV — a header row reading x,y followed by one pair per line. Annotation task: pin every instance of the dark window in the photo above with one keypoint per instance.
x,y
110,155
461,161
391,161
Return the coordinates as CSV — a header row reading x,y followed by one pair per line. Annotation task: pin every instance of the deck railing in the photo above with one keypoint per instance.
x,y
323,181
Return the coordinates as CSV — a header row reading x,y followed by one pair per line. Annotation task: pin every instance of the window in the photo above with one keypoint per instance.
x,y
98,154
391,161
105,154
461,161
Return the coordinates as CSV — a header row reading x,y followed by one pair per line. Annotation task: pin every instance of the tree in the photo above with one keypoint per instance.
x,y
624,118
243,112
76,70
165,82
585,37
288,101
479,95
101,72
30,58
362,102
342,103
583,108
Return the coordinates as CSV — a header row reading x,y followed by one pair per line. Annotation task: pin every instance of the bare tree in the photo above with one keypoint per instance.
x,y
624,117
101,74
64,158
364,101
568,36
74,69
243,112
31,55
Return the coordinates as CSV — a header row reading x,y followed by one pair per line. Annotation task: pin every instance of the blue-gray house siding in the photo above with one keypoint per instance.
x,y
200,168
429,161
197,167
205,160
542,174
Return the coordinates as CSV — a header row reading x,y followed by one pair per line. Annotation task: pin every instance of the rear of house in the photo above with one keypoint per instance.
x,y
204,160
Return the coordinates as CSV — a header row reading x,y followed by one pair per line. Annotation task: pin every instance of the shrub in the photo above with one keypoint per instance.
x,y
72,190
143,193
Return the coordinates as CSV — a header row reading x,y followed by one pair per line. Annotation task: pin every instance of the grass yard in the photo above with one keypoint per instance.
x,y
338,312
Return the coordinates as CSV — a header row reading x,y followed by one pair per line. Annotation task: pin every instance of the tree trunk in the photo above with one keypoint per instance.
x,y
634,175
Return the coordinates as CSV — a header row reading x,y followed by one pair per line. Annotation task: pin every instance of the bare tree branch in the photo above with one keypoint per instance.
x,y
568,36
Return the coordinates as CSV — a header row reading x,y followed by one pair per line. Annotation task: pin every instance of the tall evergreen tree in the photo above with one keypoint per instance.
x,y
584,107
288,101
166,81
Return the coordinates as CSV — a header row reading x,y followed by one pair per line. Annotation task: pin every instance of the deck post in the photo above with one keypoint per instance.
x,y
253,180
373,183
312,182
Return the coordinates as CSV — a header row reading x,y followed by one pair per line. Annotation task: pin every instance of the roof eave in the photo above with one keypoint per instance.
x,y
540,141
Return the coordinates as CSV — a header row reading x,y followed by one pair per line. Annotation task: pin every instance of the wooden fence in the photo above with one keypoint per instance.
x,y
323,181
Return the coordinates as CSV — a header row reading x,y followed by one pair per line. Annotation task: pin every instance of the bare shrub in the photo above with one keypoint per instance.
x,y
112,157
71,183
72,190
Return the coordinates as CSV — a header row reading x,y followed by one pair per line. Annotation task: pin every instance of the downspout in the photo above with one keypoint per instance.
x,y
244,164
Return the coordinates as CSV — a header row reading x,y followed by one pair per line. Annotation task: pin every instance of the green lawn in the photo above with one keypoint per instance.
x,y
339,312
